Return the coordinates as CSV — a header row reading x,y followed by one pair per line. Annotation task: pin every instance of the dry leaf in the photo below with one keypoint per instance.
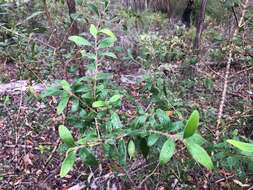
x,y
27,160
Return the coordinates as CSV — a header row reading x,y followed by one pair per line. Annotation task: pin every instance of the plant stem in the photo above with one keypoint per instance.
x,y
96,69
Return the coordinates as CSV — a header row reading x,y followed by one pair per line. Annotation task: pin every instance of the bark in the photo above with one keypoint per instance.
x,y
20,86
72,10
200,24
186,17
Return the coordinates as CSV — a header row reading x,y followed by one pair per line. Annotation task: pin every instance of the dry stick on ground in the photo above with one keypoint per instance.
x,y
147,177
230,59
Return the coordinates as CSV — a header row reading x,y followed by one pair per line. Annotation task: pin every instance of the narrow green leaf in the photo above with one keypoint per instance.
x,y
99,104
108,32
131,149
152,139
200,155
115,98
167,151
192,124
66,136
51,91
79,41
87,157
106,5
34,15
93,30
246,147
68,163
107,42
63,103
122,152
109,54
94,8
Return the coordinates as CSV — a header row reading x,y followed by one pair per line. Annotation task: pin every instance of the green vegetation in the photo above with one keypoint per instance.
x,y
116,97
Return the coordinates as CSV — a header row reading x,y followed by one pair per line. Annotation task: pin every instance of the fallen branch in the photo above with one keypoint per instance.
x,y
20,86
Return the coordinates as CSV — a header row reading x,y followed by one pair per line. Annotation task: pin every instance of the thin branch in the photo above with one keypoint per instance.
x,y
236,19
148,176
230,59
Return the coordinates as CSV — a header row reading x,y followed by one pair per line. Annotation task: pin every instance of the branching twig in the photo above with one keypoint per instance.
x,y
148,176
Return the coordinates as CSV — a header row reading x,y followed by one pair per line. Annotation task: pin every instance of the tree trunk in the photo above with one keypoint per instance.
x,y
72,10
200,24
186,17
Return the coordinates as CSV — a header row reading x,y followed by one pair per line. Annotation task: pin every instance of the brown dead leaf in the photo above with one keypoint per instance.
x,y
77,187
170,113
1,124
27,160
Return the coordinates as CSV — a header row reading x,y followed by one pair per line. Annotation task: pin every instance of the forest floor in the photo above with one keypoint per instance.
x,y
29,141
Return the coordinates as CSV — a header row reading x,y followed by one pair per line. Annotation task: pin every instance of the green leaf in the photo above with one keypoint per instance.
x,y
99,104
75,105
91,67
139,121
63,103
94,8
167,151
115,121
79,41
108,32
122,152
88,55
109,54
115,98
131,149
66,136
68,163
65,85
200,155
152,139
51,91
104,76
192,124
106,5
246,147
93,30
107,42
196,139
34,15
163,118
87,157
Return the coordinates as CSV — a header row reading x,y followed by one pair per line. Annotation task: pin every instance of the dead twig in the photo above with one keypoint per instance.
x,y
230,59
148,176
52,153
